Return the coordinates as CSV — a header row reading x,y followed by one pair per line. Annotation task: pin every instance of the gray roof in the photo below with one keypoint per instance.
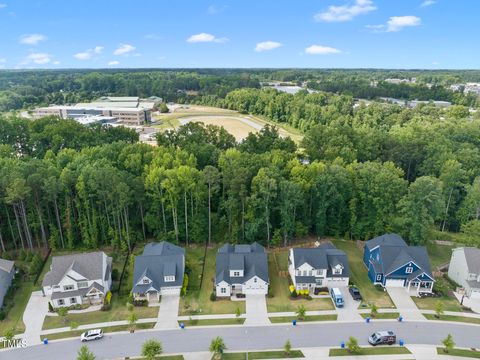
x,y
472,255
252,259
89,265
159,260
324,256
6,265
79,292
386,239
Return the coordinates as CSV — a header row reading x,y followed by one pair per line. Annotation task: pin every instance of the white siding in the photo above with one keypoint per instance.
x,y
458,270
220,286
255,286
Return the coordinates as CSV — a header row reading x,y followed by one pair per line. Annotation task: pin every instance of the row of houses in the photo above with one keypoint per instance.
x,y
243,269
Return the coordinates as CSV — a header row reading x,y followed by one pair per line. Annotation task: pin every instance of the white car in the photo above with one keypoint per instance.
x,y
95,334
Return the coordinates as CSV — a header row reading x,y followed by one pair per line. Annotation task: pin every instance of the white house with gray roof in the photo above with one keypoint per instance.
x,y
78,279
464,269
158,271
319,267
241,269
7,273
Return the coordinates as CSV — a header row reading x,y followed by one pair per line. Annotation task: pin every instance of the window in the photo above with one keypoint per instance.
x,y
73,300
304,272
223,290
409,270
310,273
298,272
337,271
255,280
60,302
146,281
236,273
169,278
82,284
68,287
379,277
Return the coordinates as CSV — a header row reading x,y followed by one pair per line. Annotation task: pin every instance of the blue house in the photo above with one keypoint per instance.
x,y
392,263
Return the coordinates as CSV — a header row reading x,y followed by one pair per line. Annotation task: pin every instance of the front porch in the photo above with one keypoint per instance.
x,y
152,297
416,287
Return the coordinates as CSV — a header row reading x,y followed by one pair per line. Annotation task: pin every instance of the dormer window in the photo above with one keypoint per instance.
x,y
236,273
169,278
146,281
337,271
409,270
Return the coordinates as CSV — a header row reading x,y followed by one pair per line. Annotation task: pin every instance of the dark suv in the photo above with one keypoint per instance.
x,y
355,293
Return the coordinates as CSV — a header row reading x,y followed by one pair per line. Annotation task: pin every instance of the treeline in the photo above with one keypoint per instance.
x,y
201,186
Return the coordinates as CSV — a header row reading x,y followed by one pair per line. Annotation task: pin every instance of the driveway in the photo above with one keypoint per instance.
x,y
35,312
404,303
349,312
168,312
473,304
256,310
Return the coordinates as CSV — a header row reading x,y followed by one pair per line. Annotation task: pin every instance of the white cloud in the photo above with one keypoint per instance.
x,y
346,12
267,45
113,63
427,3
32,39
205,37
153,37
214,9
56,62
321,50
124,49
3,5
37,58
397,23
89,53
375,27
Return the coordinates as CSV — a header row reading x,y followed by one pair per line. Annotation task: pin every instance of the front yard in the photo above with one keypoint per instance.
x,y
382,350
308,318
279,296
439,254
197,301
465,319
449,303
14,318
359,276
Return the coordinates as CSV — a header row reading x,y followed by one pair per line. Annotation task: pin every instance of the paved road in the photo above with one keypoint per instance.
x,y
251,338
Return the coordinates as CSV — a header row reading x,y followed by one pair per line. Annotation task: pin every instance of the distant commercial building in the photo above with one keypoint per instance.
x,y
401,81
128,110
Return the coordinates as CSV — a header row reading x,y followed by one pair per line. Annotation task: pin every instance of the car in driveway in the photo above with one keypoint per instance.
x,y
382,338
95,334
355,293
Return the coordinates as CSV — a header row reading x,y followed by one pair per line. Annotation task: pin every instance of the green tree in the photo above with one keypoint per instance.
x,y
132,320
63,313
73,325
448,343
373,310
287,347
151,349
352,345
163,108
85,354
301,312
217,346
9,334
438,309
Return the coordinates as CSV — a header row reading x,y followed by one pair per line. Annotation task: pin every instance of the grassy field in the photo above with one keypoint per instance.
x,y
197,301
359,276
439,254
280,354
289,319
278,262
371,351
464,319
459,352
14,319
449,303
380,316
208,322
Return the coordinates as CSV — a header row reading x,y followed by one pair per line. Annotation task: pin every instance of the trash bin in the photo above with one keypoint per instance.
x,y
342,344
182,326
367,319
45,341
401,342
400,318
294,322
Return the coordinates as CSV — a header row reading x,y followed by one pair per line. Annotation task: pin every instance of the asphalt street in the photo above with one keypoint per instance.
x,y
251,338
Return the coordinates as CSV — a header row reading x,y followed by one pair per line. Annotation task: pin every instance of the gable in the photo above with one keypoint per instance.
x,y
405,269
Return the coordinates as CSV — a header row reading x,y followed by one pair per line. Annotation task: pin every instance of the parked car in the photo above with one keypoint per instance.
x,y
382,338
355,293
95,334
337,297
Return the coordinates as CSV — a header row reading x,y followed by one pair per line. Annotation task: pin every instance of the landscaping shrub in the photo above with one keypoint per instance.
x,y
50,307
441,287
115,275
379,287
213,296
183,292
140,303
108,298
2,315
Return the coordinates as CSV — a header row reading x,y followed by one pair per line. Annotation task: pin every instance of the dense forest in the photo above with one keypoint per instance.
x,y
22,89
359,172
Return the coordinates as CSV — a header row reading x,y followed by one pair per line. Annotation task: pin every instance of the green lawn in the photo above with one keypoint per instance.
x,y
460,352
166,357
439,254
359,276
280,302
119,311
393,315
14,319
208,322
289,319
371,351
449,303
106,330
263,355
197,301
464,319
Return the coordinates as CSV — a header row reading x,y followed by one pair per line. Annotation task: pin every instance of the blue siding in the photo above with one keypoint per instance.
x,y
366,255
402,272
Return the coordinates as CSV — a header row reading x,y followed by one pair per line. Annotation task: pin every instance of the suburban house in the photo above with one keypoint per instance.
x,y
78,279
319,267
241,269
392,263
158,271
7,272
464,269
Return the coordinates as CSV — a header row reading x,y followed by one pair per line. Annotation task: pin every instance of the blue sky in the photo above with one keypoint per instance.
x,y
428,34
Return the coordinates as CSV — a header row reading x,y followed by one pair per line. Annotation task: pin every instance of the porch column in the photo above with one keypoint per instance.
x,y
409,283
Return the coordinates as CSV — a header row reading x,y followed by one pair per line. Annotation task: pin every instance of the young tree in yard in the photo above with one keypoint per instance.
x,y
238,313
132,320
373,310
151,349
352,345
85,354
9,334
163,108
301,311
217,346
438,309
287,347
448,343
73,325
63,312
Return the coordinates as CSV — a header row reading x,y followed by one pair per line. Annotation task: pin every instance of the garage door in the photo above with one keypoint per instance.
x,y
395,282
475,294
254,290
170,291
